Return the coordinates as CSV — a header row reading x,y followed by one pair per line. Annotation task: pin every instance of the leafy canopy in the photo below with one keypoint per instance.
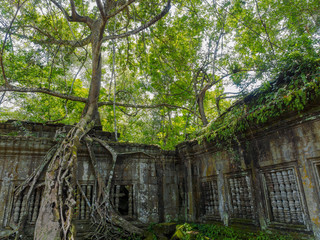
x,y
215,47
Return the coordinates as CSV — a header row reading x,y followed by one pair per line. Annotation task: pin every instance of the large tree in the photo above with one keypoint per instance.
x,y
53,49
37,33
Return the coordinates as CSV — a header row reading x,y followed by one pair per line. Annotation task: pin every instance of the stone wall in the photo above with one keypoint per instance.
x,y
269,179
143,179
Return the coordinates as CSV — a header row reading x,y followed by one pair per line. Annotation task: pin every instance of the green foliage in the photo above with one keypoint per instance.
x,y
193,231
169,63
188,231
296,86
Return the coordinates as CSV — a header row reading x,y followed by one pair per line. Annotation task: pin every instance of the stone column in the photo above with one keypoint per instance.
x,y
258,200
4,200
191,212
312,197
222,192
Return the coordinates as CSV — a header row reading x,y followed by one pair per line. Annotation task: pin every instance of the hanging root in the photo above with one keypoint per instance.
x,y
107,222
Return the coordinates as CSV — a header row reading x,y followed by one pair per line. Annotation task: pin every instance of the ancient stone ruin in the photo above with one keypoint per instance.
x,y
270,179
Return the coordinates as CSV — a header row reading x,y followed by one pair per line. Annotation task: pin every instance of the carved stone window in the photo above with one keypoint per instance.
x,y
241,196
283,196
82,210
19,206
122,199
209,197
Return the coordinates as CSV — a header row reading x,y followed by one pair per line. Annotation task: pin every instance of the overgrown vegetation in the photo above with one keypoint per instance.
x,y
166,82
296,86
193,231
152,74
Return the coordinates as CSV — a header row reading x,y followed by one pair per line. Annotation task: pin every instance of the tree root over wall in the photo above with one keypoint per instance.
x,y
59,198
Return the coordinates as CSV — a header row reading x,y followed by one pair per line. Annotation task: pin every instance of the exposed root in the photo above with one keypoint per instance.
x,y
108,219
34,177
58,201
31,183
59,195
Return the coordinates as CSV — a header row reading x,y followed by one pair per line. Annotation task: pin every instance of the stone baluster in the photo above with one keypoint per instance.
x,y
36,204
239,193
82,203
293,212
210,197
271,191
247,198
287,190
31,205
89,197
216,200
235,200
242,204
277,196
233,196
117,197
17,208
296,197
130,201
240,197
250,197
280,198
205,197
112,194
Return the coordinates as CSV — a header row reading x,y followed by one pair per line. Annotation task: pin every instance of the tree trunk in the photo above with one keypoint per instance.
x,y
56,210
58,200
200,100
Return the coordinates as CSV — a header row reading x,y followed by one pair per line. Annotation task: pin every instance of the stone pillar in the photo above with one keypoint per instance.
x,y
4,200
222,192
191,209
147,192
258,200
312,197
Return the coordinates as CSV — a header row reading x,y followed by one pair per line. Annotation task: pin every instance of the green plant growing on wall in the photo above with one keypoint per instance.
x,y
22,129
297,85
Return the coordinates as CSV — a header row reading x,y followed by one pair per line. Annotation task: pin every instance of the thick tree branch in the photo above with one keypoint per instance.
x,y
128,105
120,9
11,88
75,43
142,27
5,40
265,28
75,17
100,7
64,12
51,40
